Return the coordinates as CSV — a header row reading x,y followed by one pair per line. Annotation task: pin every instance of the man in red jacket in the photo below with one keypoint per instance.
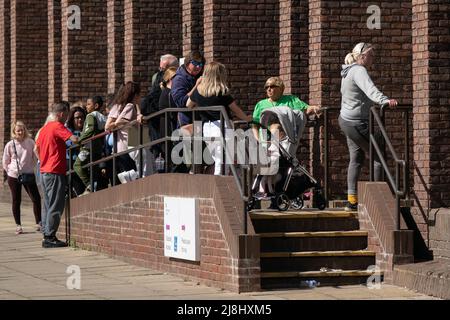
x,y
51,150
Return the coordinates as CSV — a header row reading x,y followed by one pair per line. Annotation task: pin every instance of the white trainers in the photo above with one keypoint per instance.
x,y
133,175
122,177
19,229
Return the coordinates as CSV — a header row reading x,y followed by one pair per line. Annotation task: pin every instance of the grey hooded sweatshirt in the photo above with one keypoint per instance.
x,y
359,93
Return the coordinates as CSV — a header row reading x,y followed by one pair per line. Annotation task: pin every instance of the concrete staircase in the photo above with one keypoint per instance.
x,y
326,246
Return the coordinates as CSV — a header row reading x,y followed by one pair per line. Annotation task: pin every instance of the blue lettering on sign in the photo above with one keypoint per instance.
x,y
175,244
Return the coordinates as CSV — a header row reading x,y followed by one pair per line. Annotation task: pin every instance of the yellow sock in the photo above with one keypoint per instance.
x,y
352,198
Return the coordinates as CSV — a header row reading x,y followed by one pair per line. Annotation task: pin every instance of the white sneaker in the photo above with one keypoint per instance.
x,y
133,175
19,229
122,177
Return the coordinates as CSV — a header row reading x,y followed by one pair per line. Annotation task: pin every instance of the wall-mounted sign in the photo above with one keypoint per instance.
x,y
181,228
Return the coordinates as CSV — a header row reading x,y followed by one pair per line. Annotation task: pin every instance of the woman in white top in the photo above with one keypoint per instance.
x,y
19,158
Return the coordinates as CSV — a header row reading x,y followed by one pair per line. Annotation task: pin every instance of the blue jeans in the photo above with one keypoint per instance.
x,y
54,188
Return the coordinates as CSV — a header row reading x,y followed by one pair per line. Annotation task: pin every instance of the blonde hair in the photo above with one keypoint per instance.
x,y
359,49
16,124
274,81
214,80
168,75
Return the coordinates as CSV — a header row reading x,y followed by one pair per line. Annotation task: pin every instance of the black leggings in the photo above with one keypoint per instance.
x,y
16,193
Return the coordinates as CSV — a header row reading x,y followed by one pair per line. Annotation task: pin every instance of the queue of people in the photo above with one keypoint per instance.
x,y
195,84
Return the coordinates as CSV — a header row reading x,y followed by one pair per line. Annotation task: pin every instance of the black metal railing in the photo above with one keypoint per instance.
x,y
241,180
400,187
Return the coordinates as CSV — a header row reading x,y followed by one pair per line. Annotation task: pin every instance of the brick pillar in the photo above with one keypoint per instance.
x,y
294,49
431,100
294,36
192,16
5,74
335,27
152,28
29,71
115,44
245,37
54,52
84,51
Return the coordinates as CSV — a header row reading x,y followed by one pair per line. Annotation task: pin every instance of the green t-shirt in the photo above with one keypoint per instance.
x,y
288,100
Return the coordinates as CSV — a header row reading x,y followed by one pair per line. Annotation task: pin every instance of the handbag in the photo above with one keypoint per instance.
x,y
23,178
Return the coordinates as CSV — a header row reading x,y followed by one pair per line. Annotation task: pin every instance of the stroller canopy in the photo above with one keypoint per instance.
x,y
292,121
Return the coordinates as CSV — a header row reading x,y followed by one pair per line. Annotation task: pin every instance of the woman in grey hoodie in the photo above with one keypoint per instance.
x,y
359,93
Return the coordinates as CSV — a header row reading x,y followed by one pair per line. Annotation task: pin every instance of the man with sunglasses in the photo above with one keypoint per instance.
x,y
184,83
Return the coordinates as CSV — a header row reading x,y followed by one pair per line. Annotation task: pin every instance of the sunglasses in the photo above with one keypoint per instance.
x,y
197,64
271,86
363,48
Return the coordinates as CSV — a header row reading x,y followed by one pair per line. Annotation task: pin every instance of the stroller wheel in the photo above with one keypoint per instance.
x,y
297,203
250,205
283,202
322,206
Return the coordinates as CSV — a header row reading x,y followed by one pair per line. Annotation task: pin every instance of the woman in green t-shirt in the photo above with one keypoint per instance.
x,y
274,89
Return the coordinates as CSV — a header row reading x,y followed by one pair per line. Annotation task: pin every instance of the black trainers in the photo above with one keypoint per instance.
x,y
351,207
53,243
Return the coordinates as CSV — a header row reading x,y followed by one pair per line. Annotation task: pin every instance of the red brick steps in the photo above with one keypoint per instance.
x,y
326,246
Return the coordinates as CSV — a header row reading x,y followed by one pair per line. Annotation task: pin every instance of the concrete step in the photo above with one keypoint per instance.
x,y
313,241
316,260
272,280
304,221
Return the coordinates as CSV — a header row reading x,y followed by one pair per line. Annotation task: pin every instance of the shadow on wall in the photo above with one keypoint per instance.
x,y
421,245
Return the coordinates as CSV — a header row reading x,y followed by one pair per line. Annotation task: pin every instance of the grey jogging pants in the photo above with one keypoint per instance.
x,y
358,144
54,186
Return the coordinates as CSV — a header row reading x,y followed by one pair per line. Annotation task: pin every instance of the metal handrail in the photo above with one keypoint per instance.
x,y
225,123
378,116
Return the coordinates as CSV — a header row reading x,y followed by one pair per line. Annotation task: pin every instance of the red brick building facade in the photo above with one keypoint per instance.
x,y
42,60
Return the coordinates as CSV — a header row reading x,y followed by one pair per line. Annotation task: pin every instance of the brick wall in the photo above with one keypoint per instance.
x,y
431,63
29,88
152,28
84,51
376,214
115,44
54,52
192,16
5,71
245,37
440,233
131,228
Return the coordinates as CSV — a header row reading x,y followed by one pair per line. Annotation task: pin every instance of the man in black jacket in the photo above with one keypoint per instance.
x,y
150,104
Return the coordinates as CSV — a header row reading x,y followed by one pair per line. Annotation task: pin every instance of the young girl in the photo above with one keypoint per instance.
x,y
18,158
125,110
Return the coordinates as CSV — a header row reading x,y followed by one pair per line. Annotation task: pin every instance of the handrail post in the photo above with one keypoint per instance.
x,y
69,197
114,169
371,148
223,144
325,144
397,196
91,167
141,150
406,178
166,142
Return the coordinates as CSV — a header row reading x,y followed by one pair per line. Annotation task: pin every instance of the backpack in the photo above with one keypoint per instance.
x,y
150,103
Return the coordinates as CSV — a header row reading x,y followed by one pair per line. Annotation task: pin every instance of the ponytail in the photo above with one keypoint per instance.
x,y
350,58
358,50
